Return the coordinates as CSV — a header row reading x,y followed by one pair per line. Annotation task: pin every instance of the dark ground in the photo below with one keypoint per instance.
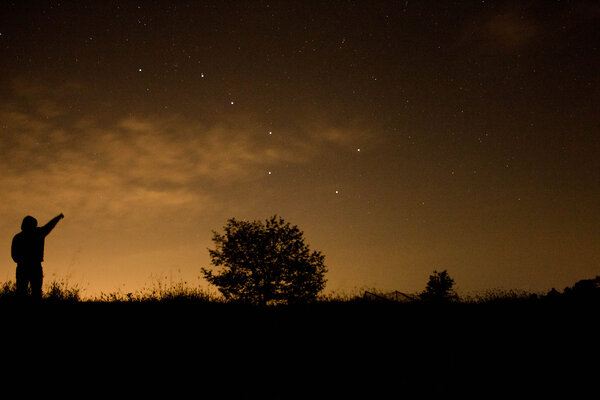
x,y
333,350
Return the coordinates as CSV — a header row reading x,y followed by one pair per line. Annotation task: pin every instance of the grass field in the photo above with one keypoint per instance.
x,y
500,343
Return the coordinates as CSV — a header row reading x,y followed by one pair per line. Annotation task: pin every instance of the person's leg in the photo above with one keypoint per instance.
x,y
22,281
36,279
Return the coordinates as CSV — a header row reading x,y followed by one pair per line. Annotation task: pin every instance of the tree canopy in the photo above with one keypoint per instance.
x,y
440,287
265,262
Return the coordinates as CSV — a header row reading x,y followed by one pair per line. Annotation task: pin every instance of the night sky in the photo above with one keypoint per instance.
x,y
402,137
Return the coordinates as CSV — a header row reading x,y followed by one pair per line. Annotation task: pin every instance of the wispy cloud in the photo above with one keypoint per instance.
x,y
56,158
510,31
506,31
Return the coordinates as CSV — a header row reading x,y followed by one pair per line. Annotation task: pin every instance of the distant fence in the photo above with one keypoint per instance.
x,y
395,296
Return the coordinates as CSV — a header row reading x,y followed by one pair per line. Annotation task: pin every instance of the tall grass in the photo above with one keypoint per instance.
x,y
161,292
504,296
56,290
61,291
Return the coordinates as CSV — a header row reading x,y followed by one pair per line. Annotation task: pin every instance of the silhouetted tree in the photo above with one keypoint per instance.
x,y
439,287
265,263
585,290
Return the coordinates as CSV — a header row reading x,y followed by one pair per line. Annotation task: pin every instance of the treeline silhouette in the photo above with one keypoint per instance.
x,y
256,263
582,292
272,333
369,342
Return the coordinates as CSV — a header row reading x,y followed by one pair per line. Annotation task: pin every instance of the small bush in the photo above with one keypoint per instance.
x,y
60,291
8,290
440,287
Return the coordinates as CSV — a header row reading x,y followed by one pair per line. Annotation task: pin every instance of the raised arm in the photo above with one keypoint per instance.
x,y
46,229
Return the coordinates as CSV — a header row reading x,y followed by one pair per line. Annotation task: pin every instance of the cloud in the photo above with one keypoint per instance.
x,y
510,31
134,166
506,31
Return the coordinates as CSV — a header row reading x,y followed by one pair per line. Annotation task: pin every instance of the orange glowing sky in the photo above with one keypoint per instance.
x,y
402,137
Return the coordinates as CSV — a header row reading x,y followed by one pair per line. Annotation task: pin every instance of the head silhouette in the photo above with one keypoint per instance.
x,y
29,223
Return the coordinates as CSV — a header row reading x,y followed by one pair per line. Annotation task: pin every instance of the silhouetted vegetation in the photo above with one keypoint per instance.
x,y
585,288
61,291
501,296
57,291
440,287
178,292
265,263
584,292
422,346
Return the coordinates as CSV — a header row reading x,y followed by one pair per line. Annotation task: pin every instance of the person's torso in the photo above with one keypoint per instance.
x,y
30,246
